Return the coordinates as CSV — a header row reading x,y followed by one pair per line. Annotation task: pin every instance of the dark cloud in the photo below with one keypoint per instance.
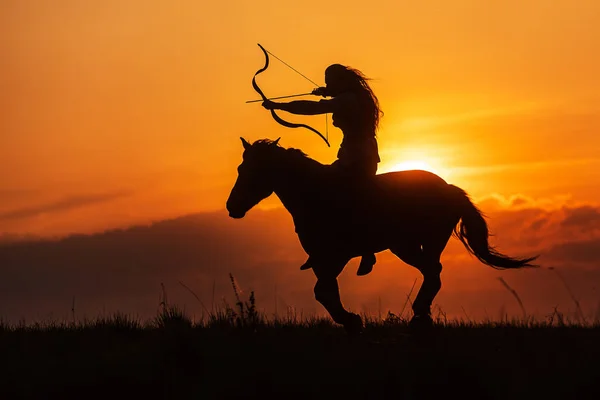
x,y
123,269
538,223
65,204
585,253
7,238
586,218
517,201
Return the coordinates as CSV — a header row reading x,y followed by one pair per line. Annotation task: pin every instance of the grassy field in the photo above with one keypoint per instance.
x,y
238,353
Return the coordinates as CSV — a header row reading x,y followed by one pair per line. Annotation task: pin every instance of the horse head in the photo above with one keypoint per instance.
x,y
255,181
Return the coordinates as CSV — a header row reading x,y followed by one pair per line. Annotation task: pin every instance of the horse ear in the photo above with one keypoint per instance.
x,y
245,143
276,142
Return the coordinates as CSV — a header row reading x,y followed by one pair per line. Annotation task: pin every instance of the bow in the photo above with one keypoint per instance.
x,y
273,113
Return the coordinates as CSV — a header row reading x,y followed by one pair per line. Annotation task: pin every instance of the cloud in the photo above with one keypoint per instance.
x,y
584,253
65,204
519,201
123,269
586,218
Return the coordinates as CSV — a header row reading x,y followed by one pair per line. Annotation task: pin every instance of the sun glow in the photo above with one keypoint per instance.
x,y
415,164
407,158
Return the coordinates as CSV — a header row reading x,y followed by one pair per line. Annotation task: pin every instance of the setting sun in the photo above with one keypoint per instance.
x,y
413,164
416,156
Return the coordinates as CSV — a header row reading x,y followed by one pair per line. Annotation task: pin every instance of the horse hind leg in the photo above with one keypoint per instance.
x,y
428,263
431,286
426,259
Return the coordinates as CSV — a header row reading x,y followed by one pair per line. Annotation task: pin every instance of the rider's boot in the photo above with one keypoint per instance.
x,y
366,264
306,265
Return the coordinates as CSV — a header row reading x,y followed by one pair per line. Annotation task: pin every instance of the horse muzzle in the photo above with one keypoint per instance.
x,y
237,214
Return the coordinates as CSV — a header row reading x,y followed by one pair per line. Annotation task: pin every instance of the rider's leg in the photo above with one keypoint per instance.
x,y
308,264
356,171
367,262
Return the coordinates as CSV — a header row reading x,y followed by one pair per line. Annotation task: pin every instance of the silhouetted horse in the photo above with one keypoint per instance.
x,y
411,213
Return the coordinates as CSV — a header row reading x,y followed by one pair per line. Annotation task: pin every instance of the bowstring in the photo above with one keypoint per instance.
x,y
308,79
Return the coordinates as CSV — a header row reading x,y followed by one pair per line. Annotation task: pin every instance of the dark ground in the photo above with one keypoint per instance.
x,y
232,358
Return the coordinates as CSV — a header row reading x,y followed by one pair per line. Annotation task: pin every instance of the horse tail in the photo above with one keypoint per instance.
x,y
473,232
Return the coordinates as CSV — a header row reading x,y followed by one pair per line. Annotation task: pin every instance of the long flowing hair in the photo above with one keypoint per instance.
x,y
358,83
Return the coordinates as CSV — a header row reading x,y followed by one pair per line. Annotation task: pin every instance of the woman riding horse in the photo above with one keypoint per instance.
x,y
411,213
356,112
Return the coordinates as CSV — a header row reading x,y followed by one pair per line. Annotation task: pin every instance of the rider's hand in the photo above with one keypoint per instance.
x,y
269,105
320,91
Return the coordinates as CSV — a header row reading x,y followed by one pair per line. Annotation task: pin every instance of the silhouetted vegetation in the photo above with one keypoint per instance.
x,y
238,352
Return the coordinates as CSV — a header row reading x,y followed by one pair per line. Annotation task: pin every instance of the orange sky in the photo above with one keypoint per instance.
x,y
114,112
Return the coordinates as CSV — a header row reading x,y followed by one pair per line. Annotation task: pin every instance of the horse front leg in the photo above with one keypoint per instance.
x,y
327,292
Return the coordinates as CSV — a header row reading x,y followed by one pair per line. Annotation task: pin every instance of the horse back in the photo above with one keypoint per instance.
x,y
413,178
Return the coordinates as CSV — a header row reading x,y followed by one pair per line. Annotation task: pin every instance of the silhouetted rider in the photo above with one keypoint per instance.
x,y
356,112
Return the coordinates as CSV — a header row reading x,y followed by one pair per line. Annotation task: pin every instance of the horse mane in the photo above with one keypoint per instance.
x,y
297,154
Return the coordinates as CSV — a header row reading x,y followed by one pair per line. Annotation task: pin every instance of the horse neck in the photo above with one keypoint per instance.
x,y
293,179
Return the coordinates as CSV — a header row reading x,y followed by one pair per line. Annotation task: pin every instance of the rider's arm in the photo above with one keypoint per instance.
x,y
307,107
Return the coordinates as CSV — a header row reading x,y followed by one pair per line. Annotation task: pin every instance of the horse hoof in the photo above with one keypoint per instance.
x,y
420,323
354,325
